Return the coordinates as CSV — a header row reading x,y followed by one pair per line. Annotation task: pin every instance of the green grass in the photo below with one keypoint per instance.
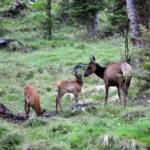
x,y
47,63
139,130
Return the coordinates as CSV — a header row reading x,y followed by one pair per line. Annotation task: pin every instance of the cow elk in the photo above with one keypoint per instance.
x,y
74,87
115,74
32,99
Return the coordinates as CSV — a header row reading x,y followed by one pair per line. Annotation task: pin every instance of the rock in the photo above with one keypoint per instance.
x,y
133,145
26,147
111,142
32,1
4,42
105,140
17,9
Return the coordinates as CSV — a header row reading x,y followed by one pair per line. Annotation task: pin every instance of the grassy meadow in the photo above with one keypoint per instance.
x,y
46,63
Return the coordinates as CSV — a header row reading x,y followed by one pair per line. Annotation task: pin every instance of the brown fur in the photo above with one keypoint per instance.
x,y
116,74
32,99
73,87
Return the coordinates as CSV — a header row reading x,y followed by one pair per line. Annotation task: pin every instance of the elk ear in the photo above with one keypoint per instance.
x,y
92,59
75,73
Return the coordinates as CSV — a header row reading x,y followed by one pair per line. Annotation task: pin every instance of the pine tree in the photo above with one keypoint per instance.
x,y
86,13
117,15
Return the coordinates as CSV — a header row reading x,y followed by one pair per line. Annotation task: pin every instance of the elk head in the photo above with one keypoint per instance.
x,y
77,75
91,67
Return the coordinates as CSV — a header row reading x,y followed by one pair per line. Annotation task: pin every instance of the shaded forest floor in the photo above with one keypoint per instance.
x,y
50,61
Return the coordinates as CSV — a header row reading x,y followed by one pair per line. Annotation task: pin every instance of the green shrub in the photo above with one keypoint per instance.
x,y
35,122
2,131
62,129
11,141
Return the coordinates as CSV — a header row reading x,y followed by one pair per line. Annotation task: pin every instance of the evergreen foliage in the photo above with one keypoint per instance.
x,y
85,12
117,15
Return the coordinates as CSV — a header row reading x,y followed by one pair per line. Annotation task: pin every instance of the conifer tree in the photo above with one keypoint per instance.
x,y
86,13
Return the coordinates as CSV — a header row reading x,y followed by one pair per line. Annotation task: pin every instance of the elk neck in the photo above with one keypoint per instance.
x,y
100,71
79,81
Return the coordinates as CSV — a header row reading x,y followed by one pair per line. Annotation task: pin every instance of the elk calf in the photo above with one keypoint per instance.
x,y
74,87
32,99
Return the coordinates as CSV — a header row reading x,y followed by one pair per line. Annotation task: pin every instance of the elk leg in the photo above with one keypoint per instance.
x,y
127,85
119,94
76,98
106,94
26,108
58,108
37,108
58,100
126,97
125,92
125,101
56,104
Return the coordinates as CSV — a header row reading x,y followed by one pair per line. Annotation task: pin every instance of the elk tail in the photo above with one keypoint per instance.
x,y
126,71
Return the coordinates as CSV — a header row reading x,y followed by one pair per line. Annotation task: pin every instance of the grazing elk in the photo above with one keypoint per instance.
x,y
74,87
116,74
32,99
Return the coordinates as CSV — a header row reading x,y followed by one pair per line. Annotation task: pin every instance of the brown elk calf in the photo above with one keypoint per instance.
x,y
116,74
74,87
32,99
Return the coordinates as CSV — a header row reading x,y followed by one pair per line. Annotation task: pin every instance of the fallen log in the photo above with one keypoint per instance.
x,y
6,114
48,114
7,42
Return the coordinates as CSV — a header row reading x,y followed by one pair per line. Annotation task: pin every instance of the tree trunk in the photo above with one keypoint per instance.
x,y
49,19
65,11
133,17
94,26
92,30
